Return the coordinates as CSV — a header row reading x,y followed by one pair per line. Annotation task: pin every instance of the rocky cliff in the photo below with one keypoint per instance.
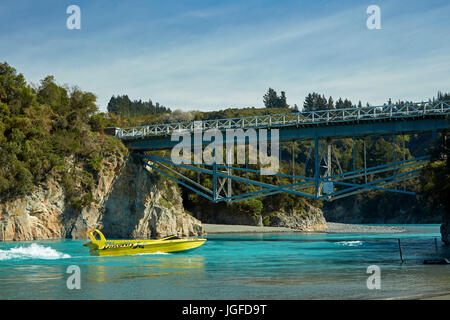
x,y
308,218
445,229
128,202
380,208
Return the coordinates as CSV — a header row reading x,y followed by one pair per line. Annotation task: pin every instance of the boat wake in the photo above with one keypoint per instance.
x,y
350,243
151,253
33,251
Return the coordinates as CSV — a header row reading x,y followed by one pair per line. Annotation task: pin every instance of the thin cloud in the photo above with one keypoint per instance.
x,y
231,64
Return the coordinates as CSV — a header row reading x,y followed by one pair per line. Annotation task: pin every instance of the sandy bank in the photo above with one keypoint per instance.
x,y
332,228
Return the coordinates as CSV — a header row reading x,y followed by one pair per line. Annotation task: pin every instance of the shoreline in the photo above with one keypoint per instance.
x,y
424,296
332,228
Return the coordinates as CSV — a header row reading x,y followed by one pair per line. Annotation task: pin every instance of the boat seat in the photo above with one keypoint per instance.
x,y
92,233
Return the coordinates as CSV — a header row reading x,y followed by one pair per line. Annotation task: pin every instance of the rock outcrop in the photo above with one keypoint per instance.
x,y
129,202
35,216
142,205
311,219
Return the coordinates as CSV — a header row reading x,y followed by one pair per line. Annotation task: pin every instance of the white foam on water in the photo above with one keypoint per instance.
x,y
350,243
34,251
151,253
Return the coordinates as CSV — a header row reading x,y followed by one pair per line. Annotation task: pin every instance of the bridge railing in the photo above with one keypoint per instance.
x,y
405,110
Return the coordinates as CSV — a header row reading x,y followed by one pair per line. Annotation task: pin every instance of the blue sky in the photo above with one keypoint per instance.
x,y
209,55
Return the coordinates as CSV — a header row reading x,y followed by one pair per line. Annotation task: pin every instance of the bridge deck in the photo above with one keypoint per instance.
x,y
309,131
364,120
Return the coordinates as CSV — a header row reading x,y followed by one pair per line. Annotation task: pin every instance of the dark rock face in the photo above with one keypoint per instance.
x,y
445,229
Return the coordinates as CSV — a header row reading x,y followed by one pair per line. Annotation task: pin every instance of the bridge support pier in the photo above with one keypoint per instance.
x,y
316,166
394,156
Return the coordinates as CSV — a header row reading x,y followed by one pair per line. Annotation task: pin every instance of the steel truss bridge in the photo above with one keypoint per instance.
x,y
326,179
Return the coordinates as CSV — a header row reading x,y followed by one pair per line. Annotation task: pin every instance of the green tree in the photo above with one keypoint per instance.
x,y
271,99
56,97
314,101
435,183
123,106
40,128
343,104
435,178
443,96
330,103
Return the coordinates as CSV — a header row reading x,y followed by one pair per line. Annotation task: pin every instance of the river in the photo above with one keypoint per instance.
x,y
234,266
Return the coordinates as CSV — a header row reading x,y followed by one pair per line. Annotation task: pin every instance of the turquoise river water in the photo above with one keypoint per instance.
x,y
234,266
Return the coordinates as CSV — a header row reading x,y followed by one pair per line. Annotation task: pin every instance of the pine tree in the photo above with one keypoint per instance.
x,y
270,98
339,104
348,104
330,103
122,105
314,102
282,100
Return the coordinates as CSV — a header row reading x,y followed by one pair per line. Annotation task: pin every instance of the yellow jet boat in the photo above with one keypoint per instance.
x,y
103,247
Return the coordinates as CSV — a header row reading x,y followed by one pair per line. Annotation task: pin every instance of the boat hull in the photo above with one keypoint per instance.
x,y
105,247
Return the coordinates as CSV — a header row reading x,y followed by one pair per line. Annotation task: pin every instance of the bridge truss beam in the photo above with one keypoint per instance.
x,y
319,182
321,187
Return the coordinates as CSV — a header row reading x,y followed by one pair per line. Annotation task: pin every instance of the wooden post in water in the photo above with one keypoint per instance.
x,y
400,249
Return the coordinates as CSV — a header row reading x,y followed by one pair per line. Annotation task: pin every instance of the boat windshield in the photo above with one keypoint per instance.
x,y
172,238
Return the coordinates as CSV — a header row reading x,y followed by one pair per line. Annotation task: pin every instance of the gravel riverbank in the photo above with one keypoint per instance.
x,y
332,228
